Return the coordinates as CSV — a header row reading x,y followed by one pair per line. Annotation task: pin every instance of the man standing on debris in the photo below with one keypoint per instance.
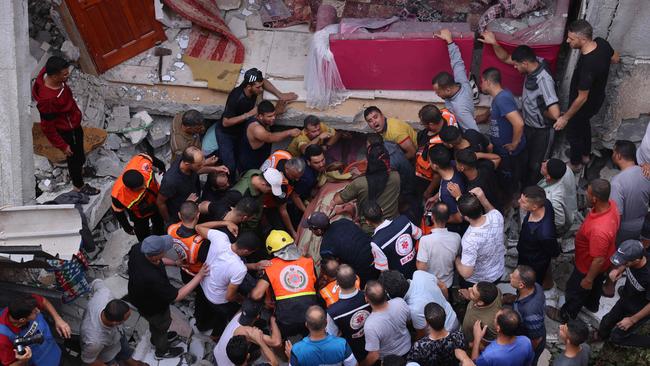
x,y
61,118
135,192
151,292
240,106
23,318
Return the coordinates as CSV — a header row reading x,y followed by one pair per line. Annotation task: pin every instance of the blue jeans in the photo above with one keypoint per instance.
x,y
228,150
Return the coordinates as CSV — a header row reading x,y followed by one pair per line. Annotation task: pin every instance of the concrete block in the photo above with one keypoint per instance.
x,y
228,4
237,26
141,122
160,132
113,141
99,204
70,51
117,246
105,162
120,118
94,111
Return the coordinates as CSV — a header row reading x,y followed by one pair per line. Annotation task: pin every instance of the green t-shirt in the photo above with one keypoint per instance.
x,y
387,200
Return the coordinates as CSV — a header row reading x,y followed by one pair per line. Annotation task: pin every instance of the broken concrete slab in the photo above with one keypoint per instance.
x,y
105,162
237,27
160,131
117,284
228,4
140,123
113,141
288,55
117,247
121,117
70,51
258,46
94,111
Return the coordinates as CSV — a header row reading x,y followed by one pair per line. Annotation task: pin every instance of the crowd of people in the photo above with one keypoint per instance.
x,y
410,251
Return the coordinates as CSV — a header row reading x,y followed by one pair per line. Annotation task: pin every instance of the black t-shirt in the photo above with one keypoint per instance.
x,y
177,186
209,193
345,240
637,285
149,287
236,105
591,74
487,180
478,142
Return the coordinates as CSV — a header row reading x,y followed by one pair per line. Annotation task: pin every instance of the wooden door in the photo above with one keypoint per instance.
x,y
116,30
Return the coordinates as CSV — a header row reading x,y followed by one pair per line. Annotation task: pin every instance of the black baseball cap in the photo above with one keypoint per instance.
x,y
628,251
252,76
317,220
250,310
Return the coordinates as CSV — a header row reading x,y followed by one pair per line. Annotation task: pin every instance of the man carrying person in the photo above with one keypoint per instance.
x,y
540,104
257,138
61,118
455,90
135,192
392,129
587,91
314,132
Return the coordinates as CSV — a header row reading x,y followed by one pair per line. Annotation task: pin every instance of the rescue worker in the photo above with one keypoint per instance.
x,y
135,191
291,280
329,289
191,248
292,169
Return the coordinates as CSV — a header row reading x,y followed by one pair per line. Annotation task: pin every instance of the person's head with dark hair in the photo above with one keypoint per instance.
x,y
266,113
440,158
431,118
372,213
315,157
393,360
394,282
375,293
311,126
574,332
465,160
523,278
491,81
22,309
246,208
374,139
580,33
192,122
435,316
598,192
624,154
253,82
470,206
532,198
507,322
524,59
57,69
444,85
377,170
247,243
440,214
238,350
553,169
115,313
345,277
219,181
189,213
133,179
375,119
450,136
329,266
192,159
483,293
315,319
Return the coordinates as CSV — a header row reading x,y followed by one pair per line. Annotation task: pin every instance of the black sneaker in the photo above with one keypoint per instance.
x,y
172,336
172,352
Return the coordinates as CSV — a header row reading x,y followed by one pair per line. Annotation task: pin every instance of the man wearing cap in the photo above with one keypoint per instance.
x,y
151,292
337,237
240,106
292,280
559,185
256,184
244,324
632,310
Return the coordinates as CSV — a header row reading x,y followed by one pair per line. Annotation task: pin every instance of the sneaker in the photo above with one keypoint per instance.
x,y
172,352
172,336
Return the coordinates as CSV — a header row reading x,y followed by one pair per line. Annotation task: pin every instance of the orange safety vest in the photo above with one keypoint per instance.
x,y
272,162
330,293
142,203
187,249
422,164
290,279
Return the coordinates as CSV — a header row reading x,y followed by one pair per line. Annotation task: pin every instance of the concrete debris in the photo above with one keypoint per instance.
x,y
179,65
45,185
105,162
237,26
93,112
228,4
120,118
125,153
160,132
116,249
41,164
140,122
113,141
70,51
166,78
183,41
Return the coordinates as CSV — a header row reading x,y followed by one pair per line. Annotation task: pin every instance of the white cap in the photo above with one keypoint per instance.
x,y
274,177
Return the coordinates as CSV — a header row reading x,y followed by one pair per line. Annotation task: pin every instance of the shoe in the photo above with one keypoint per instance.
x,y
89,190
172,352
556,314
172,336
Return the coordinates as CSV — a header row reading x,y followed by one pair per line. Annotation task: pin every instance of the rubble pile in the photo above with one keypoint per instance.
x,y
42,27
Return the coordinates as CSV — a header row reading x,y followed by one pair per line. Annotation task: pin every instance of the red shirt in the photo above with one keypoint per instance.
x,y
7,355
597,238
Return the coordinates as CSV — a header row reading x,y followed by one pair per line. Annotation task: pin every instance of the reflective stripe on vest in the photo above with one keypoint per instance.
x,y
290,279
331,292
422,164
130,198
187,249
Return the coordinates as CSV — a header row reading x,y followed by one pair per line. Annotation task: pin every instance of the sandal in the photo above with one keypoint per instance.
x,y
89,190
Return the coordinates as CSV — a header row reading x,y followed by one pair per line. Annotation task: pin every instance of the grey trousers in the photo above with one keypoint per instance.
x,y
158,326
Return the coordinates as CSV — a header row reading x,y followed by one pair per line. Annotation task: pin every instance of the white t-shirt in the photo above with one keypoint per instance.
x,y
220,356
424,289
439,250
484,249
225,268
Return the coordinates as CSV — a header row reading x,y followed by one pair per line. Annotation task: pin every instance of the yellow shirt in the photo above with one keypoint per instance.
x,y
302,139
398,131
